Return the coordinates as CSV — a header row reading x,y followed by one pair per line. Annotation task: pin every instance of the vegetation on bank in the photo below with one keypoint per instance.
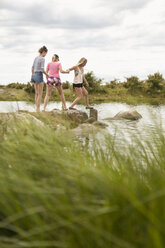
x,y
132,90
56,191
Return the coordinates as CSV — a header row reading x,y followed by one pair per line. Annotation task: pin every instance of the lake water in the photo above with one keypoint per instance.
x,y
150,114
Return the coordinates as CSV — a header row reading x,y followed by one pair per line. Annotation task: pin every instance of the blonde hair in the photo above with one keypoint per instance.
x,y
55,58
81,61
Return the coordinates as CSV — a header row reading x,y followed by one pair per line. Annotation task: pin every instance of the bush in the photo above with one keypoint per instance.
x,y
94,83
133,84
29,88
66,85
16,85
155,82
112,84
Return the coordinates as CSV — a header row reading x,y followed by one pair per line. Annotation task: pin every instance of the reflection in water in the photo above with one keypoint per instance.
x,y
151,115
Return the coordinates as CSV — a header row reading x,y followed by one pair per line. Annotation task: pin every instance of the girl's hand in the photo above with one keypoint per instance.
x,y
67,71
87,85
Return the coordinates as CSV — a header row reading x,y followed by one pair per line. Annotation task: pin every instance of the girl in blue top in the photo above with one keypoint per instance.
x,y
37,75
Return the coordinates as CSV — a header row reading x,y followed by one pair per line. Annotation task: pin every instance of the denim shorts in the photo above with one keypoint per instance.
x,y
37,77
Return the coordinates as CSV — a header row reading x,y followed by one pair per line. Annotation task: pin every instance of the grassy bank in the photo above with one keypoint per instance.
x,y
119,94
55,192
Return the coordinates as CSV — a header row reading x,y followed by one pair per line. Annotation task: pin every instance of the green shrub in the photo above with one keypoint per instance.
x,y
66,85
16,85
112,84
94,83
155,82
133,84
30,88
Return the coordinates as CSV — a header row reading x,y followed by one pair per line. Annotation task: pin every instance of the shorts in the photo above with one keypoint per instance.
x,y
54,81
77,85
37,77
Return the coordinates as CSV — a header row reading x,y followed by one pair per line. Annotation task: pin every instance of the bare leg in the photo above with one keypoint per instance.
x,y
41,86
35,92
48,95
60,91
85,93
39,90
36,95
79,96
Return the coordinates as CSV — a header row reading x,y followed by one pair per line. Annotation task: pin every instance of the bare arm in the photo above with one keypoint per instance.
x,y
46,73
62,71
86,82
73,68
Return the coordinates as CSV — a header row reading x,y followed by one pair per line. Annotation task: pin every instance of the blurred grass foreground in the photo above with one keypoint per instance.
x,y
56,192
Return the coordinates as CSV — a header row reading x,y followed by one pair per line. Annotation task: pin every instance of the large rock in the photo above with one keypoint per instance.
x,y
77,115
131,114
100,124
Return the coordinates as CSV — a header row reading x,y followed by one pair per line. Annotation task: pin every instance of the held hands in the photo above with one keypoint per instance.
x,y
67,71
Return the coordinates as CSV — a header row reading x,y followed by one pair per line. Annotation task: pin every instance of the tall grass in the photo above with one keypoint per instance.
x,y
55,192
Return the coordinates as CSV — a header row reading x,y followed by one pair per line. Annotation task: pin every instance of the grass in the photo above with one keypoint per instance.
x,y
118,94
56,192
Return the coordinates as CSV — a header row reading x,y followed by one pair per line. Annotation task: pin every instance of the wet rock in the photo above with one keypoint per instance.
x,y
90,120
94,114
131,114
77,115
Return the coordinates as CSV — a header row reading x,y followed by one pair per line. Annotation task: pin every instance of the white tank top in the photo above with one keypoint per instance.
x,y
78,78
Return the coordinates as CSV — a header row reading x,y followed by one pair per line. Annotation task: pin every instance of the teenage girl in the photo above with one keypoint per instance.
x,y
78,83
53,69
37,75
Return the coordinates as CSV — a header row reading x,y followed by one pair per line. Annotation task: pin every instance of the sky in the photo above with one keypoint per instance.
x,y
120,38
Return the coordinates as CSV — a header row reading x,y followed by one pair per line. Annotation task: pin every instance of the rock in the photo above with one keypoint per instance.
x,y
85,129
100,124
77,115
57,112
27,117
94,114
90,120
131,114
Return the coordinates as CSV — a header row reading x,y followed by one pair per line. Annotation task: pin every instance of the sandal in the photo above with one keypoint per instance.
x,y
72,108
89,107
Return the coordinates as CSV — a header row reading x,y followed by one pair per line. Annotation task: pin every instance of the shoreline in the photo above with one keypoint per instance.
x,y
123,96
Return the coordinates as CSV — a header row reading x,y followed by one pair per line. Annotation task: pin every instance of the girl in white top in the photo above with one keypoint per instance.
x,y
78,83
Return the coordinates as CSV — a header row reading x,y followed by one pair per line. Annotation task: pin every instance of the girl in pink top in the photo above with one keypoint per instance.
x,y
53,69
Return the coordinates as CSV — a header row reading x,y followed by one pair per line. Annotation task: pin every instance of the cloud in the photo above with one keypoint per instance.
x,y
122,5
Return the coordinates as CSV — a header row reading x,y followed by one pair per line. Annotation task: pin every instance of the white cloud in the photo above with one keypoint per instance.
x,y
119,38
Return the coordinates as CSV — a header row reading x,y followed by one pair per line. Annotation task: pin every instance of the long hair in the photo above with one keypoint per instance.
x,y
81,61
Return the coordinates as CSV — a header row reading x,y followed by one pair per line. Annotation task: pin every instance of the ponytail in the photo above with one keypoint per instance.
x,y
43,49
